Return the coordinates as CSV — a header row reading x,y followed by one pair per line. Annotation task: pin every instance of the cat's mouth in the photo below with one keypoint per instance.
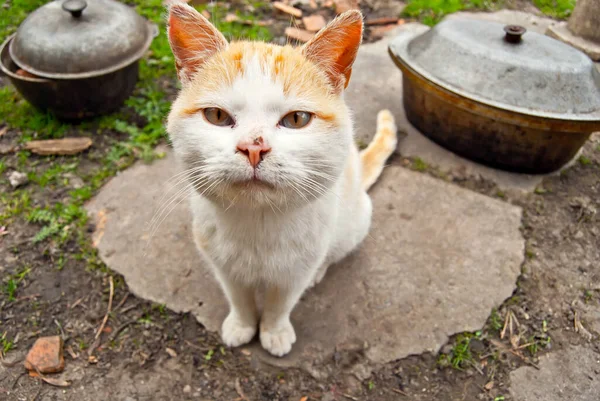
x,y
254,182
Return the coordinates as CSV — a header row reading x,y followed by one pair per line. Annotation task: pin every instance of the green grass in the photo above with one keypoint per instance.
x,y
556,8
585,161
419,164
461,356
430,12
11,283
7,344
495,321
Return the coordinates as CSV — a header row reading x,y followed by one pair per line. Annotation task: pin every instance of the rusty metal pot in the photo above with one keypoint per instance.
x,y
77,58
506,98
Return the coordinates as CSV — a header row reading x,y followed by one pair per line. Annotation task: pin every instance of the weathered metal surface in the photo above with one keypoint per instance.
x,y
73,98
75,39
489,135
537,75
515,113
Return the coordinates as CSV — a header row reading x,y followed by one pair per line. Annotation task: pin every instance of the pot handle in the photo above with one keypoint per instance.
x,y
153,28
75,7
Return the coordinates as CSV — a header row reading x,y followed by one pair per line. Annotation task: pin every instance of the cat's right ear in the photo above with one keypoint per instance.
x,y
193,39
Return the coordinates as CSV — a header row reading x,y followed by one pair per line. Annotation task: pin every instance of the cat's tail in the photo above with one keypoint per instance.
x,y
374,156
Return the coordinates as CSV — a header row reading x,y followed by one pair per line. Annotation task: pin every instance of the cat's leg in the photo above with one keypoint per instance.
x,y
239,327
319,275
277,334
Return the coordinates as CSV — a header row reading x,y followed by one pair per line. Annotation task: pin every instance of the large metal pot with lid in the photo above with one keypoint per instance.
x,y
77,58
497,94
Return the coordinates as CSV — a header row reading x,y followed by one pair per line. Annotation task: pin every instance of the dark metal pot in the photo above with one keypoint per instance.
x,y
523,103
72,98
77,59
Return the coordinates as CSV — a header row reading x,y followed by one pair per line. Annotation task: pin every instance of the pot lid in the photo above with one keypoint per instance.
x,y
80,38
505,67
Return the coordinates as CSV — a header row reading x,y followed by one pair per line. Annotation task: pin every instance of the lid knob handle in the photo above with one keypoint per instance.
x,y
514,33
75,7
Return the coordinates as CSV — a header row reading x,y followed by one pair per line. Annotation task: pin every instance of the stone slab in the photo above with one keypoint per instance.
x,y
437,260
572,374
562,33
376,83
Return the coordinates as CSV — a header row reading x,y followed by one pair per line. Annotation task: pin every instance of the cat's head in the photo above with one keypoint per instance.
x,y
258,124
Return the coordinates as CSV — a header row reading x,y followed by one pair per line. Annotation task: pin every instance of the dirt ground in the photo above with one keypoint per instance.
x,y
147,352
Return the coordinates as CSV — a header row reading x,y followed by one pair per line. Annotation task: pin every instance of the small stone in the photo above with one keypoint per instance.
x,y
446,349
17,179
46,355
314,23
187,389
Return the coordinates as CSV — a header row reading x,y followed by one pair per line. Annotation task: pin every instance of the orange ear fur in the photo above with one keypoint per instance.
x,y
193,39
334,48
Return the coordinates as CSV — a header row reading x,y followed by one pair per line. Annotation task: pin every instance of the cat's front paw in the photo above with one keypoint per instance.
x,y
278,340
236,332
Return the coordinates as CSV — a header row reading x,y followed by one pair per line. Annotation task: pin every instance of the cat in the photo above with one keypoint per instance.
x,y
279,186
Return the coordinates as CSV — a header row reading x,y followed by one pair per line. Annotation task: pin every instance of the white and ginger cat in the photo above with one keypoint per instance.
x,y
267,143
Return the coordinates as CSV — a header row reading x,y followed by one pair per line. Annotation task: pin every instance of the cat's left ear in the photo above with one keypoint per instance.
x,y
193,39
334,48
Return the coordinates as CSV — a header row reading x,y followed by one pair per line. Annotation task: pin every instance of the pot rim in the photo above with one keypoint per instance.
x,y
399,54
152,33
7,71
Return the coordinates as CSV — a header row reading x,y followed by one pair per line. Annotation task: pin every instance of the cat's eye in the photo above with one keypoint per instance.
x,y
296,119
218,117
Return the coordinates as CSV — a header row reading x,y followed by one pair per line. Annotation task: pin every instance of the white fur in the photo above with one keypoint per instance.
x,y
280,238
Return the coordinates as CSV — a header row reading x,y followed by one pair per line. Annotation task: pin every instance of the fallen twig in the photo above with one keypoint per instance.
x,y
395,390
238,389
108,310
122,302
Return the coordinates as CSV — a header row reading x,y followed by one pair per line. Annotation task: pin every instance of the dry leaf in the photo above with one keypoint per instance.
x,y
65,146
314,23
304,398
299,34
3,130
489,386
296,12
56,382
171,352
92,359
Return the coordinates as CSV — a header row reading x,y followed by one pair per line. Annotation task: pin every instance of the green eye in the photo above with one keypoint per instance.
x,y
296,119
218,117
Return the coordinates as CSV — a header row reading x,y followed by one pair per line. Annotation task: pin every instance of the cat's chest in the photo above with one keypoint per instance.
x,y
261,248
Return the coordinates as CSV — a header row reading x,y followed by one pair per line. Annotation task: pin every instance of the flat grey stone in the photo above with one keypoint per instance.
x,y
376,83
572,374
562,33
437,260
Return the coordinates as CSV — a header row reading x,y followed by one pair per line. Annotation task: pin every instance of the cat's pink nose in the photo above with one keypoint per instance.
x,y
255,150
